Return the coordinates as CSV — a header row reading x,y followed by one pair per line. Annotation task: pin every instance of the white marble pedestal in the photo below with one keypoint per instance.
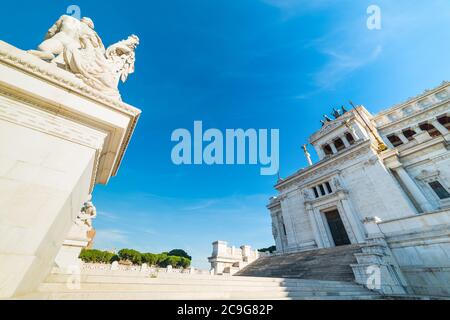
x,y
58,139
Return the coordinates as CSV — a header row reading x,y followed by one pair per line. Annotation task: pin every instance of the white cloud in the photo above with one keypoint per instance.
x,y
342,64
291,8
108,215
239,219
108,239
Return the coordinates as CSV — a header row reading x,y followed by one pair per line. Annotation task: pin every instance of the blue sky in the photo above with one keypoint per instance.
x,y
238,64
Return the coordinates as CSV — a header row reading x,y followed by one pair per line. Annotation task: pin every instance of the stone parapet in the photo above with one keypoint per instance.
x,y
230,260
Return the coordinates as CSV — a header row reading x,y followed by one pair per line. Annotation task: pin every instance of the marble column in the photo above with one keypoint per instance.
x,y
353,132
388,143
312,218
319,152
416,129
353,218
413,189
322,228
402,137
333,147
345,140
439,127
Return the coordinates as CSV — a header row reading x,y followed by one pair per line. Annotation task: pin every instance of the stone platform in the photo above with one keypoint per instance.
x,y
325,264
119,285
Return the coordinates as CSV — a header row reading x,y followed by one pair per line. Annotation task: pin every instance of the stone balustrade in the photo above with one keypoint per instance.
x,y
229,260
413,106
139,269
436,126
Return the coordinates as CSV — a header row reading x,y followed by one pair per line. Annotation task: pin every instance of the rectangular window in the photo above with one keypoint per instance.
x,y
328,187
284,229
439,189
322,190
315,192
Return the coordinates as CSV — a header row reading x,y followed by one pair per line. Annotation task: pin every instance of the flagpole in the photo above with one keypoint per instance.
x,y
381,146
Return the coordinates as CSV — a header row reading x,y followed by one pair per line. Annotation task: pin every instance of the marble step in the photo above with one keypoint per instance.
x,y
214,295
323,264
215,281
62,287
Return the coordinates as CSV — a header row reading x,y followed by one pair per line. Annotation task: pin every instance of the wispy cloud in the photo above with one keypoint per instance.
x,y
342,64
200,205
107,215
345,49
111,238
348,47
240,219
292,8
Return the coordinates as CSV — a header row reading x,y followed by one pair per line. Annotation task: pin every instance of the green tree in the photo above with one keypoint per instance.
x,y
172,261
179,253
184,263
271,249
130,255
97,256
150,258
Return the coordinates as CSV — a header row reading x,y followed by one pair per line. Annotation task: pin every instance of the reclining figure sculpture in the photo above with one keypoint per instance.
x,y
75,46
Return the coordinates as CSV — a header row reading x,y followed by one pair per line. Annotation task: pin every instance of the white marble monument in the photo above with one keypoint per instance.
x,y
63,129
382,181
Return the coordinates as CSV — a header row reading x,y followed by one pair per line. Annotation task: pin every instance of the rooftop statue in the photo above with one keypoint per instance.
x,y
75,46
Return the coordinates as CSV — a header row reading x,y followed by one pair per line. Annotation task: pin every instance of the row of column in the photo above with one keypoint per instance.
x,y
333,146
416,128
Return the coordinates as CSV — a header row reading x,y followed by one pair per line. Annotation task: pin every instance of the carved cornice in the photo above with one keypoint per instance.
x,y
19,112
335,196
428,175
415,118
419,97
62,78
274,204
22,112
331,126
326,165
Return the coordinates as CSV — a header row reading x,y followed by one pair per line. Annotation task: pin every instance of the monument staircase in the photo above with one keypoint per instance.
x,y
331,264
120,285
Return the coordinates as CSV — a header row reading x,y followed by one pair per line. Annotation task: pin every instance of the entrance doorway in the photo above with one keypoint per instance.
x,y
337,228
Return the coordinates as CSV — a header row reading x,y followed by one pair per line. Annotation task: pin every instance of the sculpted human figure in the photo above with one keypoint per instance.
x,y
75,46
307,195
337,183
102,69
88,212
67,31
88,37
